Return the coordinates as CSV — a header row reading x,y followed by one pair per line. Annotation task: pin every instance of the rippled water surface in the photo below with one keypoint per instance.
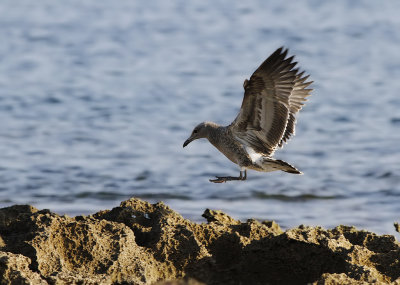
x,y
97,98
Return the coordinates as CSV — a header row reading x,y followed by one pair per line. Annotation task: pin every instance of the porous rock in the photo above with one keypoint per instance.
x,y
143,243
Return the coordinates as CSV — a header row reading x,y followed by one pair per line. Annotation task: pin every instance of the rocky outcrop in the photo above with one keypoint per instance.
x,y
141,243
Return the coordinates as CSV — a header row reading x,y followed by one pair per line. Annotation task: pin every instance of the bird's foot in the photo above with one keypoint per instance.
x,y
223,179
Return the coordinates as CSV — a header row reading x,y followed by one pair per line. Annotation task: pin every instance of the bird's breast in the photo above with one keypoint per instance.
x,y
233,150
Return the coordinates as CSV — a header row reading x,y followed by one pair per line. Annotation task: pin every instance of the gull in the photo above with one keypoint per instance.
x,y
273,96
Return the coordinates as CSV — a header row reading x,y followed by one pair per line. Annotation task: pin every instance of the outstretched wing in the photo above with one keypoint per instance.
x,y
273,95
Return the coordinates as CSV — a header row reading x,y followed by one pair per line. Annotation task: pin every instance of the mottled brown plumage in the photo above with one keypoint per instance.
x,y
272,97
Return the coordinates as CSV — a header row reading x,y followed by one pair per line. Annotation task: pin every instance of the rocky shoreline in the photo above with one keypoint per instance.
x,y
143,243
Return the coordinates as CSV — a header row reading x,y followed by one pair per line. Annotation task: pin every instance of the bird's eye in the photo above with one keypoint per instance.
x,y
195,131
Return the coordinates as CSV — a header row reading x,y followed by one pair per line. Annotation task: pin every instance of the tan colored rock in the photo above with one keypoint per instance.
x,y
14,269
142,243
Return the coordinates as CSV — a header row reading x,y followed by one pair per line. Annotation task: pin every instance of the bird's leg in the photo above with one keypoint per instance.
x,y
221,179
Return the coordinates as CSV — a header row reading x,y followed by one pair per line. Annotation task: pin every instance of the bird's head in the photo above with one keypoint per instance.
x,y
200,131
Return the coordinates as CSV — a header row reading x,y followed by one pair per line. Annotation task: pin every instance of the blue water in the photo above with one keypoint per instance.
x,y
97,98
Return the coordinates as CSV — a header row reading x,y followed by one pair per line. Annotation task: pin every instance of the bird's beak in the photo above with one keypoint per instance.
x,y
187,142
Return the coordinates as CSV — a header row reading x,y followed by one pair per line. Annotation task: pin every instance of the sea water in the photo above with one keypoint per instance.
x,y
97,98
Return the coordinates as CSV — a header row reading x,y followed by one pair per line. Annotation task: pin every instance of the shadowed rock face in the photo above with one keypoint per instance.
x,y
140,243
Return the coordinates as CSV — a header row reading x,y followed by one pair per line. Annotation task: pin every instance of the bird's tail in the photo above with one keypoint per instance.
x,y
269,164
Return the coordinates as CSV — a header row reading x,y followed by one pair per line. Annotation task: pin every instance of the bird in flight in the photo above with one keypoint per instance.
x,y
272,97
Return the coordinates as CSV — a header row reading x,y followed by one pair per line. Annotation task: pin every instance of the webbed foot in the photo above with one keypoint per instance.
x,y
223,179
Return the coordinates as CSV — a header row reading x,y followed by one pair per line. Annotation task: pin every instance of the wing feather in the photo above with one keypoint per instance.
x,y
273,95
